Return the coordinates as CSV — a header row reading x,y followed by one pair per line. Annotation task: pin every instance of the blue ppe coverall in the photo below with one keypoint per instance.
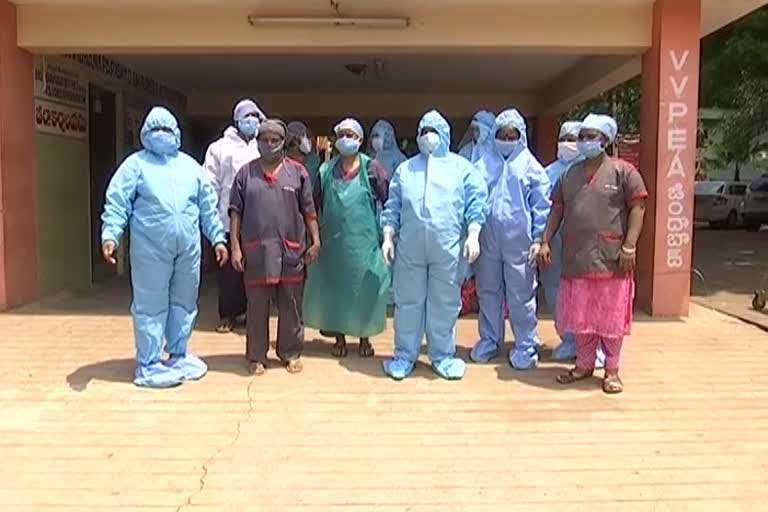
x,y
432,201
164,196
475,149
390,157
519,204
550,277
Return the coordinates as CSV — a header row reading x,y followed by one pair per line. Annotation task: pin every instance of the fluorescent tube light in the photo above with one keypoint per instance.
x,y
330,22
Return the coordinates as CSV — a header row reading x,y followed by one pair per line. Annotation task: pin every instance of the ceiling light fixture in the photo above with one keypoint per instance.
x,y
390,23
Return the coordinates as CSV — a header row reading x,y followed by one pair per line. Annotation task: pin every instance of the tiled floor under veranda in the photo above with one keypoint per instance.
x,y
689,433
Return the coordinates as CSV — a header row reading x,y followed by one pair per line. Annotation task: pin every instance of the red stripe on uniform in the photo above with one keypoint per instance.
x,y
290,244
273,281
610,236
263,282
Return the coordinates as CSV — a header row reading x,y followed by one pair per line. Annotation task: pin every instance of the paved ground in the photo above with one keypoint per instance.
x,y
689,434
732,265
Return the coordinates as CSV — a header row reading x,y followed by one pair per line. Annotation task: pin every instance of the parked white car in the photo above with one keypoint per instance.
x,y
719,202
754,211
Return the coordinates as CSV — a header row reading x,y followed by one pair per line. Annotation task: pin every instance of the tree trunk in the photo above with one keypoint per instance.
x,y
737,173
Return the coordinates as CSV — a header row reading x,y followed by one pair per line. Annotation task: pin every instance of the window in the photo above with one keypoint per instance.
x,y
708,188
737,190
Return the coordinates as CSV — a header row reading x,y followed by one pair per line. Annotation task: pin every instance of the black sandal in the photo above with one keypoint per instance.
x,y
572,376
365,349
340,348
226,325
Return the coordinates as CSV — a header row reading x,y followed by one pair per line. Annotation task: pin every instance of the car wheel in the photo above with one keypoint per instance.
x,y
715,225
752,226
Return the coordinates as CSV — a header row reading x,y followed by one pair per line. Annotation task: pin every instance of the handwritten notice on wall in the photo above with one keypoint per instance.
x,y
60,81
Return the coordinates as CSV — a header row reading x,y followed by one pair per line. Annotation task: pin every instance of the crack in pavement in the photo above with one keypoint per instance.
x,y
218,452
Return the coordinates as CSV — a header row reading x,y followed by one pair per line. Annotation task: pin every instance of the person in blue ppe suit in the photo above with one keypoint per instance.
x,y
479,136
567,155
436,199
519,204
164,196
382,146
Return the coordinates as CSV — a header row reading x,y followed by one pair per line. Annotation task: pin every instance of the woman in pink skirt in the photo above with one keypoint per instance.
x,y
601,205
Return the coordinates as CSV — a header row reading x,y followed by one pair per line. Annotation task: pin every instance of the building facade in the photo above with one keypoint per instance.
x,y
76,78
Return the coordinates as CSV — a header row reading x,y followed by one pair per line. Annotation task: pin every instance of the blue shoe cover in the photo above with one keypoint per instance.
x,y
398,369
190,366
450,368
525,359
157,375
484,351
565,351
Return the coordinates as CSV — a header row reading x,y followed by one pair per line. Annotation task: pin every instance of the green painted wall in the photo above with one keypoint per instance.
x,y
63,212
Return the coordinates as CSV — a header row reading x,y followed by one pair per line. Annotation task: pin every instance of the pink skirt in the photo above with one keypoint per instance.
x,y
598,307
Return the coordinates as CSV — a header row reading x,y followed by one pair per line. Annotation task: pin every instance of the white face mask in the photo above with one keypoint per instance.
x,y
305,146
428,143
568,151
377,143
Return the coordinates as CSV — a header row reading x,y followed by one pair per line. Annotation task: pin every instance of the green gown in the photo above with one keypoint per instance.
x,y
312,165
347,288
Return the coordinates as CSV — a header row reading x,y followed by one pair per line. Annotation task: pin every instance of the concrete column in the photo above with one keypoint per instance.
x,y
668,157
18,184
547,130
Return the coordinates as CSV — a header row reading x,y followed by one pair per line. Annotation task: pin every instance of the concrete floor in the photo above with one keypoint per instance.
x,y
731,265
689,433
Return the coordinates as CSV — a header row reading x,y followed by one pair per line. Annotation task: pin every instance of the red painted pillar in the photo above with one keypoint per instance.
x,y
668,157
18,183
547,130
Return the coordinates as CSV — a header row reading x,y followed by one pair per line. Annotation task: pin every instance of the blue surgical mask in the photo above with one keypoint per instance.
x,y
161,142
591,148
348,146
248,126
507,147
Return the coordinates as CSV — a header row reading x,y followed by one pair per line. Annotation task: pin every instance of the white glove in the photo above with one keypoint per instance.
x,y
388,246
472,245
533,253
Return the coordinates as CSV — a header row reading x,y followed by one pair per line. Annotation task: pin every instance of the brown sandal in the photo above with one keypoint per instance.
x,y
257,368
572,376
294,366
612,384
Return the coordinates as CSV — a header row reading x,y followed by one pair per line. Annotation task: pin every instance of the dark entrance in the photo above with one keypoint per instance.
x,y
102,121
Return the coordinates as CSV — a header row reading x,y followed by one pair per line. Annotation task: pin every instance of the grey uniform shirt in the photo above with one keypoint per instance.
x,y
595,216
274,210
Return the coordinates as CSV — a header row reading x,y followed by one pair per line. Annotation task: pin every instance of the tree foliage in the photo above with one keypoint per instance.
x,y
622,102
744,130
734,73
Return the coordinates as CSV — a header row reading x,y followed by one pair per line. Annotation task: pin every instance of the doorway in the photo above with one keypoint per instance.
x,y
102,120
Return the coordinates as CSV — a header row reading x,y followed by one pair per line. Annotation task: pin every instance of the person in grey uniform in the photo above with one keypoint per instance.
x,y
271,208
